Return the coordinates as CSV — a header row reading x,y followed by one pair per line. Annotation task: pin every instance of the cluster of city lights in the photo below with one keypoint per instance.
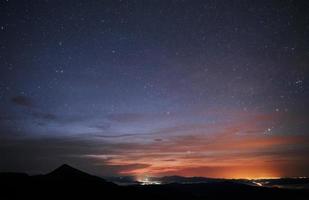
x,y
148,181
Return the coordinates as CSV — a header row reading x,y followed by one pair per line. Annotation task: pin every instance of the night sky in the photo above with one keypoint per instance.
x,y
158,87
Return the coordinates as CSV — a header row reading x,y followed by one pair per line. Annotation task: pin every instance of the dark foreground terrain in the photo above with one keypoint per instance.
x,y
68,183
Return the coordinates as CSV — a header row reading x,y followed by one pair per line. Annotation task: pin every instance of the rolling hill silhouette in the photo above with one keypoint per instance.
x,y
68,182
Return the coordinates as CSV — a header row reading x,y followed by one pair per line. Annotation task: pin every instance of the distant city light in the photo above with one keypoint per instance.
x,y
257,183
148,181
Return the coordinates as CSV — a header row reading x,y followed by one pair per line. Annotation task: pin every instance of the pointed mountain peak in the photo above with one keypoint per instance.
x,y
70,174
66,170
65,167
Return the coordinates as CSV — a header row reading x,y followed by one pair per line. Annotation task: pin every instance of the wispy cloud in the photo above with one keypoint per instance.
x,y
191,149
22,101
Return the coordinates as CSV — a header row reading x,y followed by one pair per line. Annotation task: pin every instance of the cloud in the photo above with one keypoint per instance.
x,y
126,168
126,117
41,155
102,126
139,117
221,148
191,150
119,136
22,101
44,116
37,112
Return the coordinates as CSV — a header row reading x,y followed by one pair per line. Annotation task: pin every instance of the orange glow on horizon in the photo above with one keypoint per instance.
x,y
240,150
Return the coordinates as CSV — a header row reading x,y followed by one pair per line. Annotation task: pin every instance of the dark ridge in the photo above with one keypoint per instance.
x,y
67,182
13,175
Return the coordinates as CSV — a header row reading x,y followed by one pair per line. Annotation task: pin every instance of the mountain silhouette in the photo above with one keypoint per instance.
x,y
67,170
67,182
69,179
67,173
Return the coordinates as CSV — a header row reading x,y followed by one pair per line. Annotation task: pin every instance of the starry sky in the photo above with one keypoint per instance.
x,y
215,88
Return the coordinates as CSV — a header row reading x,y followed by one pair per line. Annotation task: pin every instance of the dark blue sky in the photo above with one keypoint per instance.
x,y
144,87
